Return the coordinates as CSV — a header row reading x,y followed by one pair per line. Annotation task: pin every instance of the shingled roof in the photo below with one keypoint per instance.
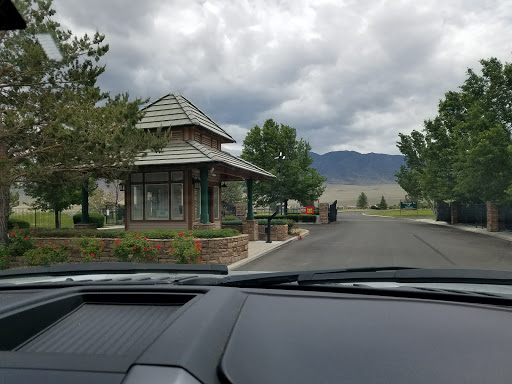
x,y
174,110
192,152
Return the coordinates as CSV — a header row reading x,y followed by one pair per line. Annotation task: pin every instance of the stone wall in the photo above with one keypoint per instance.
x,y
324,213
214,251
492,217
250,227
277,232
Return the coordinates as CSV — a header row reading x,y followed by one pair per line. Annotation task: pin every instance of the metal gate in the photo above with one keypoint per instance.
x,y
333,211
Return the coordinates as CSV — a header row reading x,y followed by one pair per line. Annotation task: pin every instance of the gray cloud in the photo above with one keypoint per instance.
x,y
347,75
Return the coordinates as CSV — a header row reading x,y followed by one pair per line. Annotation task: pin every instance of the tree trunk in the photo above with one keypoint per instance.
x,y
57,222
286,207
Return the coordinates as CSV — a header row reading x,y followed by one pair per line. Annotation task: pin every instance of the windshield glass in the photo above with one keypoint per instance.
x,y
265,136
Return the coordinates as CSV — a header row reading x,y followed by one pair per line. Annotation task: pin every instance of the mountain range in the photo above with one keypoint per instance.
x,y
354,168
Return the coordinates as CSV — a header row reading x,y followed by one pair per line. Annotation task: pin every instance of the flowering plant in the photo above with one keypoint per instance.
x,y
20,241
90,248
47,253
135,248
4,257
186,249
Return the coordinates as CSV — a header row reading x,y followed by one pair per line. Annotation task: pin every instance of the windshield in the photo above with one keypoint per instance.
x,y
281,136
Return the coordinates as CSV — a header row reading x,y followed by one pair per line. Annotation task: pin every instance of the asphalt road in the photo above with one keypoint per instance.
x,y
356,240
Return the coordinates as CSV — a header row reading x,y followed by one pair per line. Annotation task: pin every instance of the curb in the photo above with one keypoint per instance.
x,y
265,252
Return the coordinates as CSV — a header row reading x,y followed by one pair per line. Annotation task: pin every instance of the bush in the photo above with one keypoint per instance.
x,y
374,207
185,250
47,254
273,222
94,218
135,248
231,222
308,218
115,234
291,225
22,224
72,232
20,242
229,217
4,257
90,248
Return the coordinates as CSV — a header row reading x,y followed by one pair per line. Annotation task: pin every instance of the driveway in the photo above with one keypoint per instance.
x,y
356,240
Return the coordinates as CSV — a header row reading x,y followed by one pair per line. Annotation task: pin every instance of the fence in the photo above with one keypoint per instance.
x,y
473,214
42,219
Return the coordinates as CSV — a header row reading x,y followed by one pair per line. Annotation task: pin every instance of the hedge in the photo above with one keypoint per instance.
x,y
294,217
272,222
94,218
115,234
21,224
232,222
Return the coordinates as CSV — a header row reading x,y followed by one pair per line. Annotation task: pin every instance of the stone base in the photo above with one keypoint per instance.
x,y
204,226
250,227
86,226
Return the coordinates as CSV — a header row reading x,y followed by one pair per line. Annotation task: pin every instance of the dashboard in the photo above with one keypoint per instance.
x,y
174,334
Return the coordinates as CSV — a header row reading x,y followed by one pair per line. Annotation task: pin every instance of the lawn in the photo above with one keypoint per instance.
x,y
423,213
44,219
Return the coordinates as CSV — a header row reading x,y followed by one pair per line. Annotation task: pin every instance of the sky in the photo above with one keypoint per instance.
x,y
348,75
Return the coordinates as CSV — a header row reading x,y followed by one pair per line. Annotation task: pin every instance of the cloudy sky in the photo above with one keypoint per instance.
x,y
348,75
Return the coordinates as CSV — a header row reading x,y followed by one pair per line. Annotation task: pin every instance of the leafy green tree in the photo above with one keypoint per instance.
x,y
383,204
362,201
295,178
464,153
234,193
54,117
56,193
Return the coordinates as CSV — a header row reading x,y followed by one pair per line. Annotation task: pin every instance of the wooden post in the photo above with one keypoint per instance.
x,y
250,214
205,216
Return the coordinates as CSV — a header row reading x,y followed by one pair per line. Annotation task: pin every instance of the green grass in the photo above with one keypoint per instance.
x,y
420,213
45,219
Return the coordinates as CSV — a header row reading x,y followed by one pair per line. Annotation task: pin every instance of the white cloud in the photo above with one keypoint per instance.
x,y
347,75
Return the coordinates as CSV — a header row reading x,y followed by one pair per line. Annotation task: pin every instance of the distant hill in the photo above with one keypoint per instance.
x,y
349,167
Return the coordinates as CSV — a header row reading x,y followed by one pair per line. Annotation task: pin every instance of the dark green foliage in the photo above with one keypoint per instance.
x,y
117,234
94,218
22,224
231,222
308,218
294,217
362,201
273,222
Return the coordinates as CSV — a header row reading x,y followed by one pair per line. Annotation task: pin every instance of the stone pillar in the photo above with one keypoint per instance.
x,y
493,224
205,214
454,212
250,227
324,213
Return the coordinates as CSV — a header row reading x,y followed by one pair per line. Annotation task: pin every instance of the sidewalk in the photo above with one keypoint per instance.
x,y
504,235
258,249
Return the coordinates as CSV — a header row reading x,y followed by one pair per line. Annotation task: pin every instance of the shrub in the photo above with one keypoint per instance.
x,y
4,257
72,232
47,254
13,223
135,248
185,249
308,218
20,242
231,222
90,248
273,222
94,218
291,225
229,217
115,234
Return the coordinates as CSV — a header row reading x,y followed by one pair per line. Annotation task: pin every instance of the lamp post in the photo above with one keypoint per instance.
x,y
281,158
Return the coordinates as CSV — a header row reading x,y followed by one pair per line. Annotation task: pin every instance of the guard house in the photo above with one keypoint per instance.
x,y
181,186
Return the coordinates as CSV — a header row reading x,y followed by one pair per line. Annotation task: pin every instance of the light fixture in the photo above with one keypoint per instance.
x,y
223,187
196,182
121,187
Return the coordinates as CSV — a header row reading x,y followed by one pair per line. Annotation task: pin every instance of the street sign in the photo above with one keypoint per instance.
x,y
408,205
307,210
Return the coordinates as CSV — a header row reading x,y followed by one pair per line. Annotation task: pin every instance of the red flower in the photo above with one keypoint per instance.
x,y
135,234
116,242
51,245
56,247
159,246
101,243
172,249
32,231
134,248
42,245
145,238
12,233
103,249
26,238
145,249
151,248
66,243
5,257
189,261
92,254
180,234
149,258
